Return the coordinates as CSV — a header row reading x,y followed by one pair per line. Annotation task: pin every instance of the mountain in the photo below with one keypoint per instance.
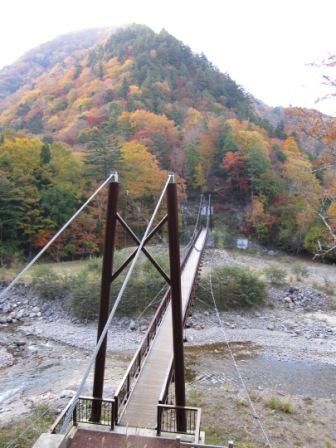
x,y
34,63
65,86
311,127
143,103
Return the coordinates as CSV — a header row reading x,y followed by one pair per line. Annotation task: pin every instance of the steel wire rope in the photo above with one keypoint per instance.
x,y
93,356
226,340
30,264
187,246
198,218
150,303
185,214
42,251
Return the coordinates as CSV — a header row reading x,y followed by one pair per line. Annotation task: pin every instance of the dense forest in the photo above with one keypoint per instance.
x,y
145,104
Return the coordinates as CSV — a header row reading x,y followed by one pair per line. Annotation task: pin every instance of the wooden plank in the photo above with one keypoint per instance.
x,y
140,410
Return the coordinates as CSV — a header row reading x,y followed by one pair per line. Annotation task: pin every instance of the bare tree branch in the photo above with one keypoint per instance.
x,y
324,251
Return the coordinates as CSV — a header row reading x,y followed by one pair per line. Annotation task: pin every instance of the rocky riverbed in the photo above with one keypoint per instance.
x,y
289,346
296,328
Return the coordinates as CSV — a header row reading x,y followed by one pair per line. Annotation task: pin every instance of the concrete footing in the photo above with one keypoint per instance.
x,y
50,441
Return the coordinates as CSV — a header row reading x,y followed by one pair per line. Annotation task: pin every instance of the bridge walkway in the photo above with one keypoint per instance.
x,y
141,410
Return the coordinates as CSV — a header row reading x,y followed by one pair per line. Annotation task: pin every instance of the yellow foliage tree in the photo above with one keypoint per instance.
x,y
290,146
142,174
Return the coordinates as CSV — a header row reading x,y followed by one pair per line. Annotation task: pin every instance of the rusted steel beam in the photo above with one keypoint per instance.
x,y
110,232
176,299
130,258
157,228
145,251
124,265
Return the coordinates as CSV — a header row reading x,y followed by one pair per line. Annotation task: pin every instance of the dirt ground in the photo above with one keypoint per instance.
x,y
304,421
290,374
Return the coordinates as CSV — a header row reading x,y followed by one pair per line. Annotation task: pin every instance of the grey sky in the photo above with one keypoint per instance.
x,y
265,45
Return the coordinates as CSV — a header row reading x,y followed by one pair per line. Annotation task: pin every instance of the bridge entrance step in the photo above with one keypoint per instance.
x,y
93,439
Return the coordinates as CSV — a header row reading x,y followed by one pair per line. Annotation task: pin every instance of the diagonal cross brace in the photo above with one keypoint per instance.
x,y
145,251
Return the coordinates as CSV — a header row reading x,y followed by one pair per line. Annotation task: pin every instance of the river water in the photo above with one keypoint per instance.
x,y
212,365
48,371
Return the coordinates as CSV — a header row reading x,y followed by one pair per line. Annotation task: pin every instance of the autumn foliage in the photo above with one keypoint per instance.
x,y
143,104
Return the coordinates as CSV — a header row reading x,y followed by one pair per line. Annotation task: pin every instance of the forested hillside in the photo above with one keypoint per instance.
x,y
144,104
33,64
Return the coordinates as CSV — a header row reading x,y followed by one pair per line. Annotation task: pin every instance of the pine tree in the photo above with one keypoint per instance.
x,y
102,154
11,210
45,155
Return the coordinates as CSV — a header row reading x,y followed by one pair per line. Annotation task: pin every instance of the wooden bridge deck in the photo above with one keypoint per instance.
x,y
140,410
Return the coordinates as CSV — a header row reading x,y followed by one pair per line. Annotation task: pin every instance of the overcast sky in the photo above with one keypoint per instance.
x,y
265,45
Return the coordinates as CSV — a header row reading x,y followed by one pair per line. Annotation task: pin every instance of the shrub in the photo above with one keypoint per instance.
x,y
95,264
222,236
281,404
328,287
275,274
233,287
84,291
48,284
141,289
300,271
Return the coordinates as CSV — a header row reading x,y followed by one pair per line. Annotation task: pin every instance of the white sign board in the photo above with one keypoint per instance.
x,y
242,243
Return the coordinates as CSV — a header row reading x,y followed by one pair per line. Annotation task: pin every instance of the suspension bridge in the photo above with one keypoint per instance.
x,y
149,406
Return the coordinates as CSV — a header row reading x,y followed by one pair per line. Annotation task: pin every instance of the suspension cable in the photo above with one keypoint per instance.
x,y
198,217
151,302
42,251
226,339
93,356
187,246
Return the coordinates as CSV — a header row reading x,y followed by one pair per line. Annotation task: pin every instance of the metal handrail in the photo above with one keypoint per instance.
x,y
170,371
136,363
77,414
167,382
193,427
59,419
140,355
143,349
201,445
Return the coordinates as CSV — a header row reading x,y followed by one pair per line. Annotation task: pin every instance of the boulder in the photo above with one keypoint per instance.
x,y
7,308
67,393
20,314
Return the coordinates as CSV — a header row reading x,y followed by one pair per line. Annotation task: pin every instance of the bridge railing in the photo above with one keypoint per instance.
x,y
167,420
82,414
123,392
189,247
125,387
127,383
164,396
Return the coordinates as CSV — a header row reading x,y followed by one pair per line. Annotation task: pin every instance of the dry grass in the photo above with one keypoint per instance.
x,y
25,432
285,405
